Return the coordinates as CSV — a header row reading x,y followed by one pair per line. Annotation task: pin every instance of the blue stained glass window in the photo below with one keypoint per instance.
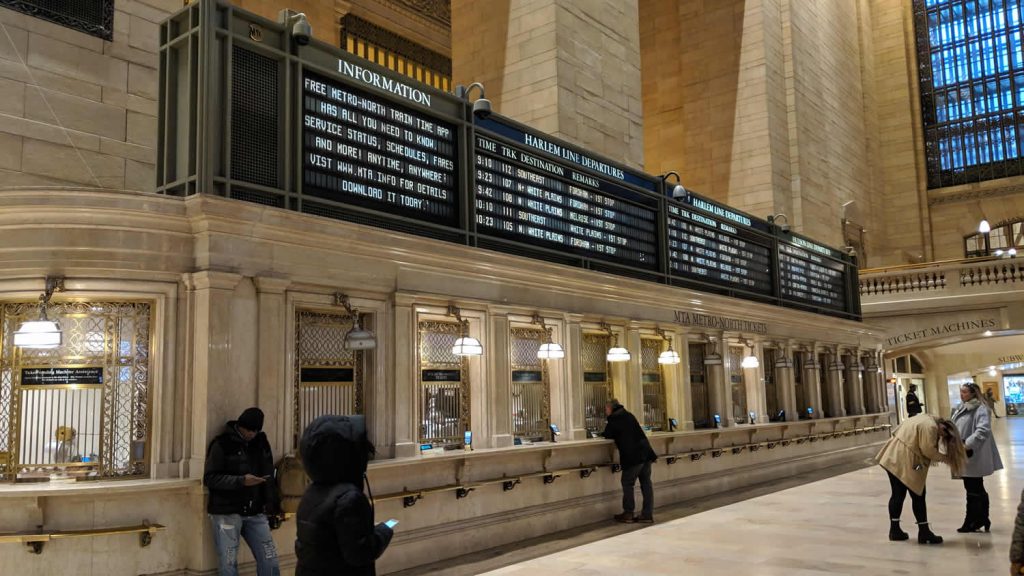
x,y
971,58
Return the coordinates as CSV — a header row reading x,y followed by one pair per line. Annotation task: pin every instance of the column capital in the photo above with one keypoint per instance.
x,y
271,285
215,279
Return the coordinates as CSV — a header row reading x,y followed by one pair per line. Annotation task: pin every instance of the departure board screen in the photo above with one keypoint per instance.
x,y
717,251
367,151
811,278
524,196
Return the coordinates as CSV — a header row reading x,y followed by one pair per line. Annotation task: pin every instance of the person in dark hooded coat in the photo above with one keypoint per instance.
x,y
336,534
635,457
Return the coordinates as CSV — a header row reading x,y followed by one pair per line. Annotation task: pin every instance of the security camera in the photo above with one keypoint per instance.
x,y
482,108
302,32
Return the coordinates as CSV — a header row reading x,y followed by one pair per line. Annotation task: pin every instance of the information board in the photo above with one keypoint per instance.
x,y
718,251
525,196
370,152
811,278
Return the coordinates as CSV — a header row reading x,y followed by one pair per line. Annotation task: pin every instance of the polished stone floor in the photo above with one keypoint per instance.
x,y
836,525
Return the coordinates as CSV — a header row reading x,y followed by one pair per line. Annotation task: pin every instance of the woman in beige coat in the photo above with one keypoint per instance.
x,y
916,445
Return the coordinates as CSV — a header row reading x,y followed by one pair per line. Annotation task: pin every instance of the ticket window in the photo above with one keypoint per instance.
x,y
82,409
444,392
825,363
699,393
771,388
800,385
739,385
329,376
597,381
531,387
653,380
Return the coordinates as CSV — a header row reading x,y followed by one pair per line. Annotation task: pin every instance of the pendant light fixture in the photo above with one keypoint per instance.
x,y
750,360
548,350
616,353
42,333
669,356
357,338
466,345
984,227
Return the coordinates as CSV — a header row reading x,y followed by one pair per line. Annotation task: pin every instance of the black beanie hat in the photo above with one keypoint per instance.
x,y
251,419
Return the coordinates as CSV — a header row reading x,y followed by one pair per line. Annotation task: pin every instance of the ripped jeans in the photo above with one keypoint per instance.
x,y
228,529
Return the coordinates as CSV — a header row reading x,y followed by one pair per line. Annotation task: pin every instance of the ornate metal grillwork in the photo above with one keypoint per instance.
x,y
653,384
377,44
771,390
799,382
93,17
328,377
699,386
531,389
95,430
825,363
738,383
597,380
444,385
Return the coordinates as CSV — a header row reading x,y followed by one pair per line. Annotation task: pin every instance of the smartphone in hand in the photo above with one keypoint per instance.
x,y
391,523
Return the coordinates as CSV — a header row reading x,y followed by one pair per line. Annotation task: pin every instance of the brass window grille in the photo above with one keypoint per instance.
x,y
531,387
825,364
699,386
800,383
444,396
597,381
653,380
328,377
771,389
738,383
98,428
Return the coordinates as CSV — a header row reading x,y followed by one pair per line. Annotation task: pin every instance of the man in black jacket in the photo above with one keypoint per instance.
x,y
913,403
239,473
335,533
635,457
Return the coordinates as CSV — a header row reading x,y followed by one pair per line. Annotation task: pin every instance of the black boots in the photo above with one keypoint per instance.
x,y
925,534
976,519
895,534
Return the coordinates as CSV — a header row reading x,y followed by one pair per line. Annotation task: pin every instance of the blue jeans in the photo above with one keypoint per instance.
x,y
228,529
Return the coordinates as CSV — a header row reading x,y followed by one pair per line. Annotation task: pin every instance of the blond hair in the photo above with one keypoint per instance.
x,y
956,454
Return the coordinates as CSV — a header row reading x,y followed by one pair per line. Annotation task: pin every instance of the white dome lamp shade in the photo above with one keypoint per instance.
x,y
357,338
549,350
669,356
42,333
618,354
465,345
750,362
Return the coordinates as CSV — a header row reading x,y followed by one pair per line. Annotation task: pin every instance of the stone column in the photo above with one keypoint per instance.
x,y
756,402
854,385
716,384
403,356
499,408
684,389
834,381
785,383
275,380
633,393
212,378
571,69
574,378
812,380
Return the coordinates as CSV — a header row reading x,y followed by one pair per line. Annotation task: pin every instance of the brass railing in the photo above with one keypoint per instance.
x,y
37,539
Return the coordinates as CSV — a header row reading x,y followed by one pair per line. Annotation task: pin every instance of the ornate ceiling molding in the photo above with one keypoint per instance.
x,y
974,194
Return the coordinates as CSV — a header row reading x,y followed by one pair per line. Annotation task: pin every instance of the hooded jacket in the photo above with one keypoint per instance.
x,y
335,534
228,459
629,437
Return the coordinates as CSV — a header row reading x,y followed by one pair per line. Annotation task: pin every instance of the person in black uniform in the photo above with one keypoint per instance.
x,y
243,502
635,457
913,403
336,534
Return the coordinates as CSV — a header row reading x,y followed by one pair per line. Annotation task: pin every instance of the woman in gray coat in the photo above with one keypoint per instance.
x,y
973,419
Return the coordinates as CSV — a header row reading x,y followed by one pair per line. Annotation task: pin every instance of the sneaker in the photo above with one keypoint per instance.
x,y
643,519
625,518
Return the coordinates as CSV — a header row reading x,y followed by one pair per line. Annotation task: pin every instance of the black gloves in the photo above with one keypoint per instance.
x,y
970,453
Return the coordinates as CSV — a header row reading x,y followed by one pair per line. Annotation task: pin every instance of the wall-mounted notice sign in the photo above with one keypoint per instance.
x,y
441,375
61,376
373,153
329,374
